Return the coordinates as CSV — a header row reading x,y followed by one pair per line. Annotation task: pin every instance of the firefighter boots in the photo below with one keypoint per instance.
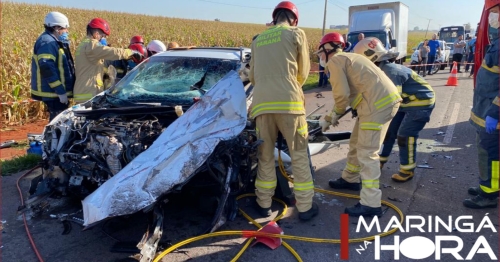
x,y
309,214
362,210
480,201
402,176
342,184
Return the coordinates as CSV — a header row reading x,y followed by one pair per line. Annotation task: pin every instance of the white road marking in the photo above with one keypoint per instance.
x,y
451,125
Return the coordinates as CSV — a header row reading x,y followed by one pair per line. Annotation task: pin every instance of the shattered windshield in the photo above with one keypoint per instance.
x,y
172,80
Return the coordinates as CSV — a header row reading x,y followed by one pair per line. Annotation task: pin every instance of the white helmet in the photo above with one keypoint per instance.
x,y
373,49
56,19
156,46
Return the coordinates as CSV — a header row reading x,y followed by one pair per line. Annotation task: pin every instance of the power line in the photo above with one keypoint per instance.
x,y
337,5
254,7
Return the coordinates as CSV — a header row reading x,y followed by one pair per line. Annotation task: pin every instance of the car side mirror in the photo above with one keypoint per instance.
x,y
394,43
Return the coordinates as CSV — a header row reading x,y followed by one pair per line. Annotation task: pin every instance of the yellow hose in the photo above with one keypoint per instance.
x,y
251,234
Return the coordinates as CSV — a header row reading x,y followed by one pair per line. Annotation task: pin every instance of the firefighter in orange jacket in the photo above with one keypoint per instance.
x,y
357,82
278,69
89,60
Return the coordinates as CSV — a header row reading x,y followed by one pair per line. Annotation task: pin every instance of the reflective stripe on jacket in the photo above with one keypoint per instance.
x,y
52,69
278,69
415,91
89,65
486,101
355,79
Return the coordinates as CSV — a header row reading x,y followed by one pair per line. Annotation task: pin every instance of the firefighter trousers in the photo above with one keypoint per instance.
x,y
404,128
363,159
294,130
487,150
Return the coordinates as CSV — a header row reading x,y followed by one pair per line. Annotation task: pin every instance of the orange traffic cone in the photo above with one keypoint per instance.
x,y
453,80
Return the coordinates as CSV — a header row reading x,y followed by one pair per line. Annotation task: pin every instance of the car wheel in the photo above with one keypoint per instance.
x,y
443,66
436,67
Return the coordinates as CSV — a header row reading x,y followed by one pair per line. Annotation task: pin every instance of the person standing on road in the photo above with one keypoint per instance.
x,y
172,45
434,49
471,47
484,117
458,52
423,53
156,46
348,46
358,82
89,60
279,67
52,66
414,112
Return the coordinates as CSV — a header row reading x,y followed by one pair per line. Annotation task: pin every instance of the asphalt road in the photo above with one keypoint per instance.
x,y
447,145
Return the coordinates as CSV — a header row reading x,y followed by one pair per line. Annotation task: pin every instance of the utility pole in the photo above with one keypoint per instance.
x,y
324,20
427,28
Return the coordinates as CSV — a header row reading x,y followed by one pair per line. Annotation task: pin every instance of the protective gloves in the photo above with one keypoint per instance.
x,y
491,124
136,56
329,120
63,99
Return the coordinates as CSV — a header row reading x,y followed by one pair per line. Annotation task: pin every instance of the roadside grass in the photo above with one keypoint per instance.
x,y
18,164
311,82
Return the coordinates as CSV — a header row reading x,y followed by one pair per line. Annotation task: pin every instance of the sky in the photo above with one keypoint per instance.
x,y
438,12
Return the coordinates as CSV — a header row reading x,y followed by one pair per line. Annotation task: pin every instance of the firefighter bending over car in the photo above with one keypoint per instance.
x,y
278,69
485,112
358,82
414,112
89,60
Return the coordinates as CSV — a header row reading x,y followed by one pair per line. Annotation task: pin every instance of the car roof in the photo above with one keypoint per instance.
x,y
231,53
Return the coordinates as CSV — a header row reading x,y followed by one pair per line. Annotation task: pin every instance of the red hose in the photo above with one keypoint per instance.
x,y
24,216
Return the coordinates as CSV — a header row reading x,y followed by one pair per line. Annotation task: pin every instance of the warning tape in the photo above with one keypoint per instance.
x,y
320,71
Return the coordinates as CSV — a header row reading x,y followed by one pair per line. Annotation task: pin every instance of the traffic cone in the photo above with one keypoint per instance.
x,y
453,80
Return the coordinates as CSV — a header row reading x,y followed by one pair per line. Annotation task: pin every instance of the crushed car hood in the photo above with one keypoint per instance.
x,y
175,156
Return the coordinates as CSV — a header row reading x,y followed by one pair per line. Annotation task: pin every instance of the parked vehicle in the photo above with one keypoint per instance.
x,y
442,59
385,21
449,34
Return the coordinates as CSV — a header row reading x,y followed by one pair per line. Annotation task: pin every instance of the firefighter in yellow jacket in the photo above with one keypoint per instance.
x,y
360,84
278,69
89,60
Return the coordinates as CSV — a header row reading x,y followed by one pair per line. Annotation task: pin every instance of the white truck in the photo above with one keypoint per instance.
x,y
385,21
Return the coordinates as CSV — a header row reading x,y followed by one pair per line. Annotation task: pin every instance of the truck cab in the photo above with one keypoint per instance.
x,y
386,21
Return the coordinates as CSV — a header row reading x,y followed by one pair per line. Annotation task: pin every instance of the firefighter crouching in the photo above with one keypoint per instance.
x,y
415,110
278,69
484,117
357,82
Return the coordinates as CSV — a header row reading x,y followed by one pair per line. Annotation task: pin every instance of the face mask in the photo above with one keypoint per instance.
x,y
64,37
103,41
322,63
493,20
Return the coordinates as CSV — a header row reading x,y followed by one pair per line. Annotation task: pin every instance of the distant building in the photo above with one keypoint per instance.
x,y
339,27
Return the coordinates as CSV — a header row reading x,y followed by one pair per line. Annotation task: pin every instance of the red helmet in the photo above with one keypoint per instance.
x,y
137,39
141,49
288,6
488,4
332,38
99,23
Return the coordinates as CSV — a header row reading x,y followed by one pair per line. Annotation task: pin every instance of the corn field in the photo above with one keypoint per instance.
x,y
23,23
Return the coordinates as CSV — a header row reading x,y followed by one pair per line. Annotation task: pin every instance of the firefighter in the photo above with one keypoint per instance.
x,y
278,69
485,113
52,67
137,39
357,82
156,46
89,60
172,45
414,112
132,63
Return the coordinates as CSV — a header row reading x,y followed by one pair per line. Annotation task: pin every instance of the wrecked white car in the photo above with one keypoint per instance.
x,y
176,122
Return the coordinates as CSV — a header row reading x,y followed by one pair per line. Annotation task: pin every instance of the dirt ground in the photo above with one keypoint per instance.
x,y
19,134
